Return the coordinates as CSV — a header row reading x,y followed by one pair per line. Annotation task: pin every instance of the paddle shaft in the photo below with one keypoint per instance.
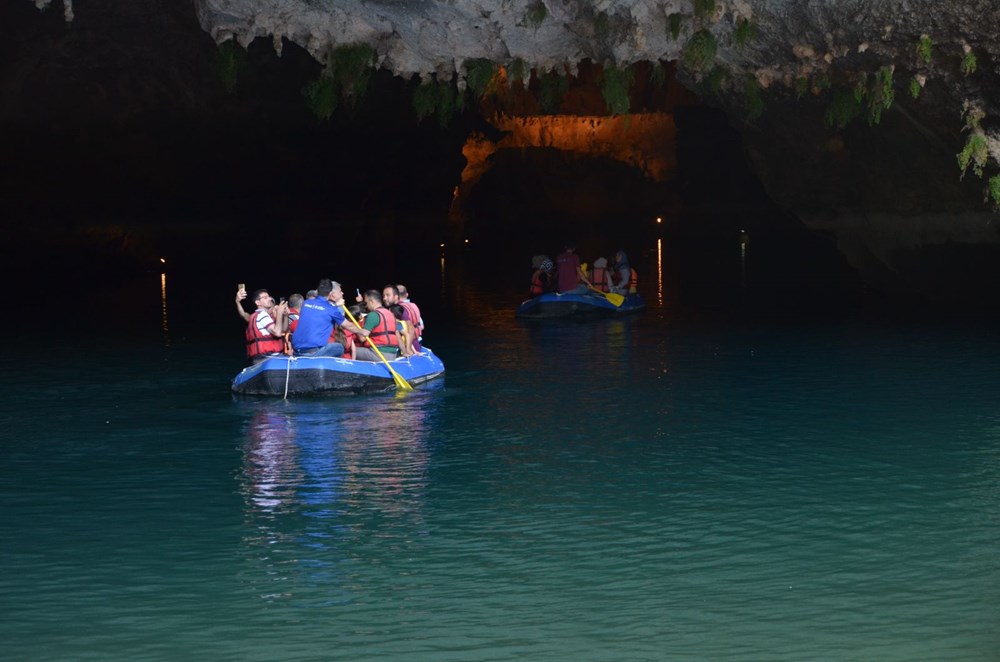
x,y
400,382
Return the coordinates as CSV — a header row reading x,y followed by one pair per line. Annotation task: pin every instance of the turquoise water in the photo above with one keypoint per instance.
x,y
678,485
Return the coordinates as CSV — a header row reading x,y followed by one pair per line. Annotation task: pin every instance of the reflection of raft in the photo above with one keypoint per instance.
x,y
577,305
304,375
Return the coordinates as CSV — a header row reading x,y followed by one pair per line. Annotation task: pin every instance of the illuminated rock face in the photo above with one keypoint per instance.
x,y
645,142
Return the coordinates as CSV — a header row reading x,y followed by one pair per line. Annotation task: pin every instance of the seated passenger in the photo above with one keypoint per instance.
x,y
391,297
404,330
623,275
541,279
317,319
380,329
266,328
294,305
416,318
599,276
569,277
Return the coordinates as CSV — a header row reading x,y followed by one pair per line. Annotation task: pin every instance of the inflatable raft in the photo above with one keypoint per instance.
x,y
307,375
572,304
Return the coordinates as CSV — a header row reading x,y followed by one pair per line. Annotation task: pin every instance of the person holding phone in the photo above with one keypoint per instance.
x,y
241,294
266,327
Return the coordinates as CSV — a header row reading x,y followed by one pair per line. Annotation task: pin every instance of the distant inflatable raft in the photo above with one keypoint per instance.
x,y
307,375
591,304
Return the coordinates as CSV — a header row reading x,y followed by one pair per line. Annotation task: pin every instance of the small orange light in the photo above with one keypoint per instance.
x,y
162,261
659,220
466,241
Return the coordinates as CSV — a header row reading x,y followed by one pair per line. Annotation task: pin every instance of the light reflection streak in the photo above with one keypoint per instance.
x,y
443,279
163,300
659,271
744,242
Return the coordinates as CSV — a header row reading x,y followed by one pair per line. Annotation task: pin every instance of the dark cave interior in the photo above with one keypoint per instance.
x,y
123,149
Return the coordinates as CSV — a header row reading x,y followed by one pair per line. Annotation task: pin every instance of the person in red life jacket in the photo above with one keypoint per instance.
x,y
599,277
416,317
266,328
294,304
541,278
390,298
380,327
569,277
349,340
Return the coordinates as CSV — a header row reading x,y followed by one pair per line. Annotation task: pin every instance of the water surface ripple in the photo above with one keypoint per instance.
x,y
645,489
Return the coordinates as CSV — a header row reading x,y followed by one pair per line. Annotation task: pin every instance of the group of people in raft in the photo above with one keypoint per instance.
x,y
316,324
567,274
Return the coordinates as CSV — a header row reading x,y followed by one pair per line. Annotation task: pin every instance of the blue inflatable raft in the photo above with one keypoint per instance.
x,y
572,304
307,375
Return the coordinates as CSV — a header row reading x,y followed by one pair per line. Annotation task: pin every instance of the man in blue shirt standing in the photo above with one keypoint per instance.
x,y
316,321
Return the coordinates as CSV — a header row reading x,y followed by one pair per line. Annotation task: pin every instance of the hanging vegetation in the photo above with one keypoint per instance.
x,y
552,88
924,47
744,32
536,14
615,87
968,65
703,8
751,91
674,23
699,53
479,75
321,97
230,59
880,94
351,67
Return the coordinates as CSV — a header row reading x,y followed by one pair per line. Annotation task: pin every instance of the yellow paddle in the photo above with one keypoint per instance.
x,y
400,382
614,299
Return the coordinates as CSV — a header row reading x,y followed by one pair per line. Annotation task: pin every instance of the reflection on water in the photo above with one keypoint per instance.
x,y
659,272
163,302
321,478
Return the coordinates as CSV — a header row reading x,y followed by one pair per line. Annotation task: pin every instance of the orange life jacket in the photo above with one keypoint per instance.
x,y
261,343
599,279
385,332
633,282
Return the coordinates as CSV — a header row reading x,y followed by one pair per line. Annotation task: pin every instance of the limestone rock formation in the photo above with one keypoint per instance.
x,y
876,121
873,120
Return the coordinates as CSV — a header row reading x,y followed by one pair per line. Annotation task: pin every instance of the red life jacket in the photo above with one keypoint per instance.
x,y
537,286
348,344
414,312
385,332
599,279
293,323
633,283
261,343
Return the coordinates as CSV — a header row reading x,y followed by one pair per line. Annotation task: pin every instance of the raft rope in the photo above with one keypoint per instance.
x,y
288,372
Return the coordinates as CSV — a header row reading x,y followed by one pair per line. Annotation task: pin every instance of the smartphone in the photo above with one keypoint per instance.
x,y
241,286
